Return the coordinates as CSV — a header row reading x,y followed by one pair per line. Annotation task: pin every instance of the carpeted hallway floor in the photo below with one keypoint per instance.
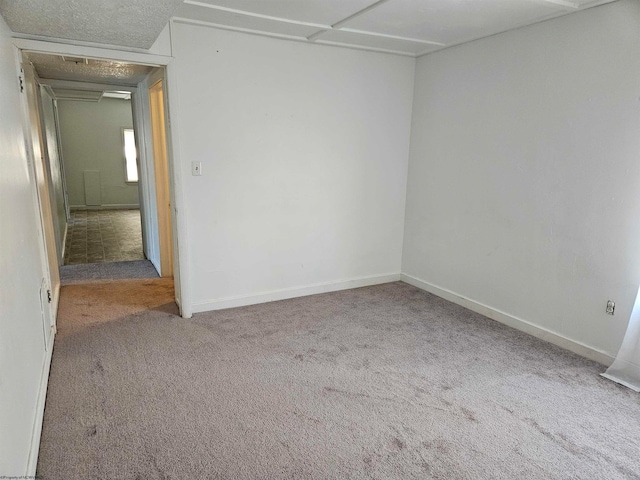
x,y
96,272
384,382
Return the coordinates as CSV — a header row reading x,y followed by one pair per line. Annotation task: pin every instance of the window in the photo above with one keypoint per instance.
x,y
131,167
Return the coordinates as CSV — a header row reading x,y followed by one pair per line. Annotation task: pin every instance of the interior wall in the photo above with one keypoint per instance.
x,y
162,45
22,353
524,175
56,187
304,152
91,138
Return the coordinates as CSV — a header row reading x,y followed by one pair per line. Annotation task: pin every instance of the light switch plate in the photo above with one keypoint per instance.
x,y
196,169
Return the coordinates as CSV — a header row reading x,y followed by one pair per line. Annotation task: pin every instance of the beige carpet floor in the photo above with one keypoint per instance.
x,y
384,382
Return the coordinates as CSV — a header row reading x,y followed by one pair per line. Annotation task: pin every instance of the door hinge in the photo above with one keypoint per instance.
x,y
21,83
49,296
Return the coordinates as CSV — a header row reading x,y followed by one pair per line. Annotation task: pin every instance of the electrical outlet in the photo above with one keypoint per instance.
x,y
611,306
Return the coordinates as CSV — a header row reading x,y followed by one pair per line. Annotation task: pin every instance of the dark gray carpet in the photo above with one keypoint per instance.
x,y
384,382
74,274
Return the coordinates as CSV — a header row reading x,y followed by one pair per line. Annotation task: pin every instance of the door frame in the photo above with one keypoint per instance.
x,y
60,236
35,146
178,218
158,132
56,117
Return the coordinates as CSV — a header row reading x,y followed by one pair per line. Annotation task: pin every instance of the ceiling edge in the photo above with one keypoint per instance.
x,y
597,3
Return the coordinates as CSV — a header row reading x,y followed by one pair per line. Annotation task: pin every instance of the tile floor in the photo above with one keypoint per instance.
x,y
98,236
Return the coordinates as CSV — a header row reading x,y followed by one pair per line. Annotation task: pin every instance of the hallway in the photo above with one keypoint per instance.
x,y
99,236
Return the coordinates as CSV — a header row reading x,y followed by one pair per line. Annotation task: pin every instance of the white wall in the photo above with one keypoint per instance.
x,y
91,138
54,170
21,335
524,176
162,45
304,153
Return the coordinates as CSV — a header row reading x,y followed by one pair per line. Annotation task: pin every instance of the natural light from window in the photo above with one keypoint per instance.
x,y
130,155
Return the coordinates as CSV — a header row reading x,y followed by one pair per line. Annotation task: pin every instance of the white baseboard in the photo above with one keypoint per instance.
x,y
32,463
633,387
283,294
518,323
117,206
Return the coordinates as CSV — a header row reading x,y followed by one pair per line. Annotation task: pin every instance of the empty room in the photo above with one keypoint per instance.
x,y
386,239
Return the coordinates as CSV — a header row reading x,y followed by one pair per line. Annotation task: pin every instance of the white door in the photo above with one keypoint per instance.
x,y
36,146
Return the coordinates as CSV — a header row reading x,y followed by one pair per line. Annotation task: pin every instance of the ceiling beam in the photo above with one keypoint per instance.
x,y
562,3
358,13
255,15
394,37
314,36
253,31
364,47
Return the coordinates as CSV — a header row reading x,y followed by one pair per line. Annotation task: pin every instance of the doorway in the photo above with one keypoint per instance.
x,y
90,222
97,155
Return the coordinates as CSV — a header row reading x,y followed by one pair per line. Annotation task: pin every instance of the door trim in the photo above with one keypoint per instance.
x,y
179,228
161,177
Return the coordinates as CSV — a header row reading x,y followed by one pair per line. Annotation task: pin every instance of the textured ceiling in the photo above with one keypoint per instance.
x,y
407,27
94,71
131,23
